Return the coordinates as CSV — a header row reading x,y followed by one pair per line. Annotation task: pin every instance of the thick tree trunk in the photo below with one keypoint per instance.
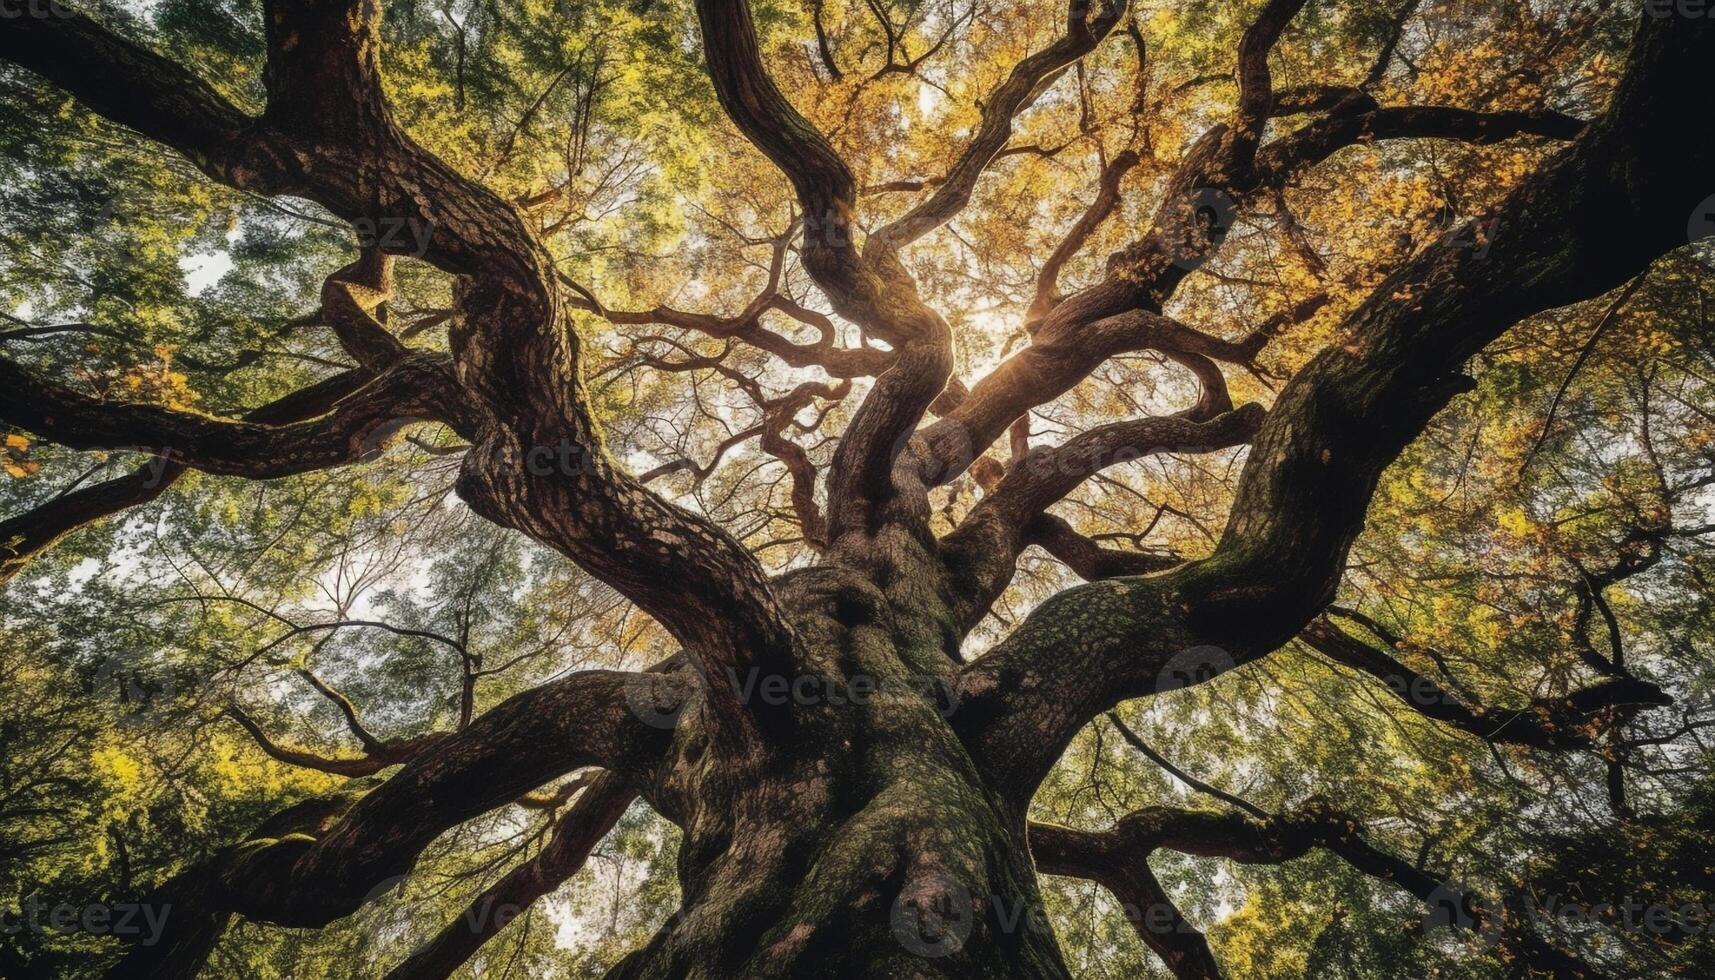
x,y
843,813
858,839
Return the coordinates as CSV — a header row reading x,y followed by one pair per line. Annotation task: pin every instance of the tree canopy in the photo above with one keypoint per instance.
x,y
668,488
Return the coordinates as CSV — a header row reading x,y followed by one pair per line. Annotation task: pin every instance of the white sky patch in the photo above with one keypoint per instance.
x,y
82,572
995,324
929,98
601,910
203,271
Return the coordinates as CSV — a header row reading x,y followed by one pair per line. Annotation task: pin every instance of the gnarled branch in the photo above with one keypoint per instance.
x,y
1616,199
327,869
351,429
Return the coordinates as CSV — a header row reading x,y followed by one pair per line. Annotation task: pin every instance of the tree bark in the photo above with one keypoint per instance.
x,y
853,796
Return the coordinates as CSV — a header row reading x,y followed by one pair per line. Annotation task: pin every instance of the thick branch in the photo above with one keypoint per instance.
x,y
980,553
352,304
872,290
1119,860
1047,474
326,871
824,184
1147,906
1089,560
26,535
1216,173
324,65
132,86
1281,160
1256,87
1587,221
1062,354
416,388
540,466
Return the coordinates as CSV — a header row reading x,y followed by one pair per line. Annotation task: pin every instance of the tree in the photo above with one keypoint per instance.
x,y
845,730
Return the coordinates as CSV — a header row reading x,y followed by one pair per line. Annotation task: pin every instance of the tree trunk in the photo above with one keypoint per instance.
x,y
858,839
852,794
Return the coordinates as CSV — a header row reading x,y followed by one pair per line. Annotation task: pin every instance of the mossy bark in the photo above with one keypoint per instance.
x,y
858,838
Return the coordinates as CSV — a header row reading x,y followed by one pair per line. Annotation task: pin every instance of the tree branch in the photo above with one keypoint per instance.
x,y
1088,559
352,429
1118,859
838,362
1062,354
575,835
1106,200
1150,910
1586,222
1281,160
374,759
136,88
324,67
1223,169
326,870
873,291
1256,87
1028,79
1561,723
515,356
347,710
980,552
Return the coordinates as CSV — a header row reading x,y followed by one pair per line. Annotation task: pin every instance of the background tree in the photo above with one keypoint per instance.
x,y
857,489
